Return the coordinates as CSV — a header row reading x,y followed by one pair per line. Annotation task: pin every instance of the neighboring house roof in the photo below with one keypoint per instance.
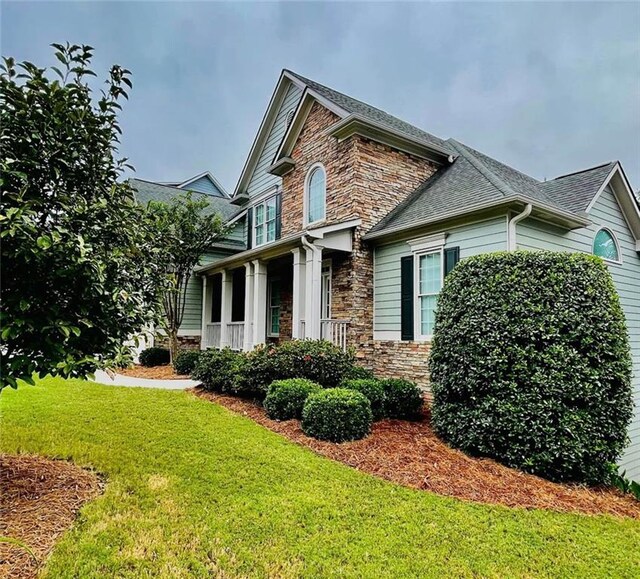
x,y
147,191
356,107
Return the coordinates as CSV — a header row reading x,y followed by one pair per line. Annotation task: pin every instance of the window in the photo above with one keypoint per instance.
x,y
606,246
429,283
264,228
274,307
316,194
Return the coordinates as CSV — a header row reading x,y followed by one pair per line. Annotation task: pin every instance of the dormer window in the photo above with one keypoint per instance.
x,y
605,246
315,194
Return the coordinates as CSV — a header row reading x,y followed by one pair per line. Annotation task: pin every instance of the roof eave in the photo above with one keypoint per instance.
x,y
357,124
564,218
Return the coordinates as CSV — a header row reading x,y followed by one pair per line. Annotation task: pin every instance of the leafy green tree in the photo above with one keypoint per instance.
x,y
79,268
186,228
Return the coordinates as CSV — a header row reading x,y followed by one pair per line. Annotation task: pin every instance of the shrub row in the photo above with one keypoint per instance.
x,y
392,398
154,357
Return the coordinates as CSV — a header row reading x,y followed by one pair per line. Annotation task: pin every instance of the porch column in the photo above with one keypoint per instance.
x,y
225,310
298,301
313,276
259,302
205,309
248,307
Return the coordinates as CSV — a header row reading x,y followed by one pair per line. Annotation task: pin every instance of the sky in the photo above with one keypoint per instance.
x,y
548,88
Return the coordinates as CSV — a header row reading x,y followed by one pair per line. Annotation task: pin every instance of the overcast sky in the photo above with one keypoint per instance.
x,y
548,88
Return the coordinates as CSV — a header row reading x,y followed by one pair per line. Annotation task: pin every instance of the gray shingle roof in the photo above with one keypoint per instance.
x,y
576,190
147,191
374,114
474,179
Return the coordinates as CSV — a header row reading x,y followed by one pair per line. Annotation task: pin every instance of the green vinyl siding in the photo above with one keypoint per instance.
x,y
260,179
192,320
534,234
474,238
237,231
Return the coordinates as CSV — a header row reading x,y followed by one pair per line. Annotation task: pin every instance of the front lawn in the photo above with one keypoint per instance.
x,y
194,490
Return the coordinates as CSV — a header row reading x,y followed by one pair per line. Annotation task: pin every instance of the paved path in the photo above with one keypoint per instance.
x,y
119,380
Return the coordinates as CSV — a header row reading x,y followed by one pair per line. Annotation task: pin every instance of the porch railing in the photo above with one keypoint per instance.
x,y
235,335
335,331
212,335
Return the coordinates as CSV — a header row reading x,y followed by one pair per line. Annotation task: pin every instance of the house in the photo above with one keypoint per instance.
x,y
348,219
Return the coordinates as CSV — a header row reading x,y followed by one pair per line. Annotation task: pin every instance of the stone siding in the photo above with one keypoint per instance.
x,y
185,342
408,360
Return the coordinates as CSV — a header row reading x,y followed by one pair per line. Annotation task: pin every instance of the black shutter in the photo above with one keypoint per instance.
x,y
451,257
278,215
406,298
249,227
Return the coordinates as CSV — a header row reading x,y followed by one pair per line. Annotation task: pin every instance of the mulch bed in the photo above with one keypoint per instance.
x,y
154,373
39,500
410,454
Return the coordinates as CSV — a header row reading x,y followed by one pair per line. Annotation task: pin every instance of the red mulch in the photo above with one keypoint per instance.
x,y
155,372
39,499
410,454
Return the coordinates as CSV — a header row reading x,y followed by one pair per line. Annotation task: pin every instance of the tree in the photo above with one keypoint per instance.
x,y
185,230
79,274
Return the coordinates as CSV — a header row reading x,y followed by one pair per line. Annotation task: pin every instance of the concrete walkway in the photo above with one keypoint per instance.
x,y
118,380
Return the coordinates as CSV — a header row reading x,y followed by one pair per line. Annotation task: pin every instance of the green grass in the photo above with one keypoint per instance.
x,y
194,490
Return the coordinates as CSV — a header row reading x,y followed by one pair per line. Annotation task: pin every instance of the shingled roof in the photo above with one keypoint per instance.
x,y
475,180
369,112
147,191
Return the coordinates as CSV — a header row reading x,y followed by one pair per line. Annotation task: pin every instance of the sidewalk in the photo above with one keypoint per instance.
x,y
118,380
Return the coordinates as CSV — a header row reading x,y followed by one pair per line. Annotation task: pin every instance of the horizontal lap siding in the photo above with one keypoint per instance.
x,y
192,320
237,231
204,185
534,234
261,180
482,237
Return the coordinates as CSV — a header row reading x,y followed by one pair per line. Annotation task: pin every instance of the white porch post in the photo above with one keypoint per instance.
x,y
225,310
313,292
205,309
248,308
298,298
259,302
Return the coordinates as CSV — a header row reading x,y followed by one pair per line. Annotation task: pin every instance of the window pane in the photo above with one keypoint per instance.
x,y
430,274
427,314
275,321
259,231
317,194
271,209
605,246
271,230
259,214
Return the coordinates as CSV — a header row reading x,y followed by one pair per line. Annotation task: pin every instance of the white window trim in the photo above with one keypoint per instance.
x,y
615,241
305,203
264,224
270,334
417,312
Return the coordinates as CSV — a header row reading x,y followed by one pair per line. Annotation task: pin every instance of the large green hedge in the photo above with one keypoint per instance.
x,y
530,363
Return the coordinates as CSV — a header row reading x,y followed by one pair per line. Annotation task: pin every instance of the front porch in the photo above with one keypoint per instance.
x,y
281,295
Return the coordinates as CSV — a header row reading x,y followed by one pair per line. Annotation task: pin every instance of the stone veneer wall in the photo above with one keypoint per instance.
x,y
365,180
185,342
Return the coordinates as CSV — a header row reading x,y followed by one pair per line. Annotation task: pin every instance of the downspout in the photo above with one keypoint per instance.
x,y
511,229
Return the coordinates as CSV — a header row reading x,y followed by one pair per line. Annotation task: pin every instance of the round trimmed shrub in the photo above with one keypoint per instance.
x,y
530,364
337,414
154,356
186,361
219,370
373,391
402,399
285,398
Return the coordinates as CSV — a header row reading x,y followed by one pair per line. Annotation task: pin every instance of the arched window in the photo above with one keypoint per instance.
x,y
605,245
316,194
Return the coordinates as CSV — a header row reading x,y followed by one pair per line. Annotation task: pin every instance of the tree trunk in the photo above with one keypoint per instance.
x,y
173,344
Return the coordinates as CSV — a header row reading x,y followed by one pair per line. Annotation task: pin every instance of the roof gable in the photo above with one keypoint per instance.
x,y
204,183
